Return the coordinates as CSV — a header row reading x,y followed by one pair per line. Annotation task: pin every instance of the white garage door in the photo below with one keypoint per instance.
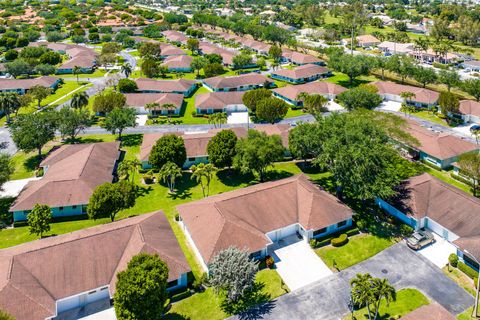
x,y
282,233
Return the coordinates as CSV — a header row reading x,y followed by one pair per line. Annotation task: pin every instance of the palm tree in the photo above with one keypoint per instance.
x,y
315,104
9,101
79,100
128,168
127,70
362,291
422,45
406,95
383,290
169,173
203,173
218,118
168,107
76,71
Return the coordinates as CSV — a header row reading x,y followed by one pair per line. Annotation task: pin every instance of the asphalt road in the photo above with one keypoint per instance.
x,y
6,143
328,298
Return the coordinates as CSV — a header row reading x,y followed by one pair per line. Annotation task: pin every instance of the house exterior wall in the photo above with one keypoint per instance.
x,y
329,230
82,299
297,80
184,69
469,118
56,212
186,93
239,88
412,222
440,230
188,163
226,108
182,282
193,246
70,70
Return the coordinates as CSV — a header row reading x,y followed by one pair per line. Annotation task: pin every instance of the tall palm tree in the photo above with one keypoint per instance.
x,y
315,104
126,69
168,107
218,118
422,45
9,102
79,100
362,293
169,173
383,290
203,173
76,71
128,168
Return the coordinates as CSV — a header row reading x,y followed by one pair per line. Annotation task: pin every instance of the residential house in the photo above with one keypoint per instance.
x,y
431,311
140,100
168,50
86,64
178,63
71,174
430,56
182,86
256,217
473,65
427,202
469,110
175,36
299,58
21,86
391,91
364,41
290,93
210,48
63,276
390,48
242,82
302,74
436,148
211,102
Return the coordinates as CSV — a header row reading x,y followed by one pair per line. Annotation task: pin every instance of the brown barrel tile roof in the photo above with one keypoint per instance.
x,y
432,311
180,85
141,99
74,171
45,81
170,50
421,94
237,81
303,71
218,100
470,107
182,61
241,218
317,87
36,274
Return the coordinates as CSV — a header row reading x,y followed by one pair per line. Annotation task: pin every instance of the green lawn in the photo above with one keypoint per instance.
x,y
207,305
461,279
343,80
358,249
424,114
445,176
96,74
294,113
407,301
467,315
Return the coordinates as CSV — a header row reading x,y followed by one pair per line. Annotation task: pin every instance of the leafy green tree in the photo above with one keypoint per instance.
x,y
271,109
251,98
54,36
304,141
315,104
213,69
169,173
150,68
360,97
424,76
119,119
203,173
39,93
6,168
470,166
354,18
25,101
71,122
198,63
141,289
232,270
472,87
127,86
5,316
18,67
193,45
51,58
221,149
79,100
169,148
32,131
45,69
11,55
449,78
275,52
107,101
257,152
110,198
218,118
9,102
449,103
214,58
352,66
402,65
39,219
242,60
111,48
150,51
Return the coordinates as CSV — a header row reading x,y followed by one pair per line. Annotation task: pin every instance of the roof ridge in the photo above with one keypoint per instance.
x,y
457,191
92,147
30,298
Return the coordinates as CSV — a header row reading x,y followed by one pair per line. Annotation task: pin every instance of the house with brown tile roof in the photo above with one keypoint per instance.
x,y
427,202
140,100
21,86
302,74
180,63
390,91
470,111
365,40
299,58
242,82
210,48
432,311
181,86
290,93
168,50
196,142
437,148
211,102
175,36
256,217
62,275
71,174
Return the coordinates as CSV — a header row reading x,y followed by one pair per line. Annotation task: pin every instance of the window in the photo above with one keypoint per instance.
x,y
92,292
60,208
74,207
191,159
342,223
256,254
319,231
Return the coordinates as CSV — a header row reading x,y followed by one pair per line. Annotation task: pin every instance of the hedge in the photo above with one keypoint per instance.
x,y
461,179
340,240
431,165
326,240
469,271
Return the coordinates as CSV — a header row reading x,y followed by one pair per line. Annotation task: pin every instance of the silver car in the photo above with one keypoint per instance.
x,y
420,239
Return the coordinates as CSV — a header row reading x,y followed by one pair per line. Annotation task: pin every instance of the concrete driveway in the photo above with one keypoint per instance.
x,y
297,264
390,106
12,188
328,298
438,251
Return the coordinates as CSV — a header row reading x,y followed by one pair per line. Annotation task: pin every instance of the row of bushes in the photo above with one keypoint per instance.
x,y
337,238
431,165
469,271
461,179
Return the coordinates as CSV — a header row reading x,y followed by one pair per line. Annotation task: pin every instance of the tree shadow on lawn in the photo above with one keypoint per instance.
x,y
32,163
175,316
355,83
132,140
233,178
253,305
182,187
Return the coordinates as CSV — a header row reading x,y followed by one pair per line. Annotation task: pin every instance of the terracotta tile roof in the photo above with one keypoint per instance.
x,y
141,99
439,145
241,218
317,87
298,57
210,48
170,50
303,71
470,107
279,129
79,61
421,95
180,85
426,196
45,81
237,81
432,311
73,172
182,61
36,274
175,36
366,38
218,100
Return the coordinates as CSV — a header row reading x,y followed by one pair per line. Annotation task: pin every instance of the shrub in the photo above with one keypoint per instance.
x,y
39,172
440,66
177,217
405,230
467,270
269,262
313,243
453,260
148,177
475,282
352,232
361,224
340,240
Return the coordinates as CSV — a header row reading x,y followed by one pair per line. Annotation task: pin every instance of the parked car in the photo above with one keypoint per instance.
x,y
420,239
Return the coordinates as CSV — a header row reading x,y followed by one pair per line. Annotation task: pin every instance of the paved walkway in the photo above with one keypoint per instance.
x,y
298,265
328,298
439,251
